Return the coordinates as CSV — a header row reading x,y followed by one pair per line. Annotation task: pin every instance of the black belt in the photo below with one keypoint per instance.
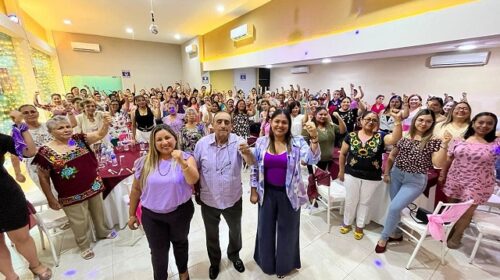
x,y
146,129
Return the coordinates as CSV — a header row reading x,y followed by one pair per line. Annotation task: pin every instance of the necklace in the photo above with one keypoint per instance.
x,y
168,171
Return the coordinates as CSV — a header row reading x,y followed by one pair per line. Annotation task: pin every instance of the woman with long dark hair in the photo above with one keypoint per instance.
x,y
241,121
326,131
471,173
386,123
413,156
277,185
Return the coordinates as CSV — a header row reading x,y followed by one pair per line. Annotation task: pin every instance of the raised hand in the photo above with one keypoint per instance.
x,y
16,116
177,155
447,137
311,129
397,115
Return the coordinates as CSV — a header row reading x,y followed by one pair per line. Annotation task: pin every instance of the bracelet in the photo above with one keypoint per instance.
x,y
397,123
314,142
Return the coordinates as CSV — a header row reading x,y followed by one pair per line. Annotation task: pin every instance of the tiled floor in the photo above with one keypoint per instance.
x,y
324,255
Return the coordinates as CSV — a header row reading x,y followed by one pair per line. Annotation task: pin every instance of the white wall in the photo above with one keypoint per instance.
x,y
404,75
249,82
149,63
191,65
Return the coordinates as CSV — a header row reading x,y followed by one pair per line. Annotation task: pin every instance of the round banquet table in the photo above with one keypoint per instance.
x,y
117,185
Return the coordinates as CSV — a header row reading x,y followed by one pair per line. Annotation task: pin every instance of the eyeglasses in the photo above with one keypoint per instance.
x,y
371,120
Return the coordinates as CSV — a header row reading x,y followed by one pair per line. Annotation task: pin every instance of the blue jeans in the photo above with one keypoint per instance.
x,y
405,188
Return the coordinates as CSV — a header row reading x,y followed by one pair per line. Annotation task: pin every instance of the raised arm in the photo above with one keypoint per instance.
x,y
94,137
397,133
342,126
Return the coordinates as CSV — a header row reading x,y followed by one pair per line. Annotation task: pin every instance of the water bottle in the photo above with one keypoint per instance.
x,y
114,162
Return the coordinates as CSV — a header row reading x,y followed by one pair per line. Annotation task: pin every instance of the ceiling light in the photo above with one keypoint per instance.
x,y
466,47
177,37
129,30
67,22
326,60
13,18
269,66
220,8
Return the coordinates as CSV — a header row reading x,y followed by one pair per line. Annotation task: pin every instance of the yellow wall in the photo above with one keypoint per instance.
x,y
283,22
3,10
222,80
12,7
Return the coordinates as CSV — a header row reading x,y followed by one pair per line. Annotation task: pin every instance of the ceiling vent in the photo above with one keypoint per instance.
x,y
459,59
85,47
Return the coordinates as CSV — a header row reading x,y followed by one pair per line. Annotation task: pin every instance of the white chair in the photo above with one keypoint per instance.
x,y
488,225
49,223
333,197
423,229
494,202
37,198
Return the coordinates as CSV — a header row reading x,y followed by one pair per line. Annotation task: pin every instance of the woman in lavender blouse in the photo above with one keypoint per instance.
x,y
281,194
163,183
174,119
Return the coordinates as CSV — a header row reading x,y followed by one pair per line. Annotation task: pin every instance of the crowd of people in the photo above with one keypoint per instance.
x,y
199,141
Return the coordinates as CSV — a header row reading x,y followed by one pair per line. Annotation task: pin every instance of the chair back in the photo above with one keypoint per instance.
x,y
446,213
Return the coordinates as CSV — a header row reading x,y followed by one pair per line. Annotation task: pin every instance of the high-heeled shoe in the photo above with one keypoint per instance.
x,y
43,274
380,249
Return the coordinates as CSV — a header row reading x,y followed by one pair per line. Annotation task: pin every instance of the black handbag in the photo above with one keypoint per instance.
x,y
419,215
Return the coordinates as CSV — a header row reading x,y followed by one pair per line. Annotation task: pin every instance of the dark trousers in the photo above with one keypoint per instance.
x,y
325,165
161,229
277,248
211,219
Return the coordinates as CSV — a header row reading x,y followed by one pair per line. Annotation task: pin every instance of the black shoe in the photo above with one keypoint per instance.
x,y
213,271
238,265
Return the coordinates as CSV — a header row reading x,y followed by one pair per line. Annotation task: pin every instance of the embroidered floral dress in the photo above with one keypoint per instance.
x,y
190,136
364,161
74,174
119,125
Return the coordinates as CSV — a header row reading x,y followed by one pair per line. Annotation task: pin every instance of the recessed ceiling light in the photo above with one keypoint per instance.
x,y
67,22
13,18
129,30
466,47
220,8
326,60
177,37
269,66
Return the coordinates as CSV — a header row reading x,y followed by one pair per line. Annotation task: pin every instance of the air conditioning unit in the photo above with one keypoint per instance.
x,y
300,70
242,32
85,47
191,49
459,59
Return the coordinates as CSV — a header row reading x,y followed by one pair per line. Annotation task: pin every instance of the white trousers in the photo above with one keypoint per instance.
x,y
357,202
142,136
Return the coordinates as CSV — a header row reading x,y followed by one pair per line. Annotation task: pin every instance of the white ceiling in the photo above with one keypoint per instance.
x,y
188,18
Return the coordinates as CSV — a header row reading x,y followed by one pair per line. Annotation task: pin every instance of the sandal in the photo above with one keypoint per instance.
x,y
87,254
42,272
358,235
345,229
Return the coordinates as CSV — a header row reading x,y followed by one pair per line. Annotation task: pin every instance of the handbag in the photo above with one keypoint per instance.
x,y
320,177
419,215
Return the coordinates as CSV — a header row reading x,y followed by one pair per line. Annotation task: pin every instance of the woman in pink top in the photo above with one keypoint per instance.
x,y
471,173
163,182
266,123
379,105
